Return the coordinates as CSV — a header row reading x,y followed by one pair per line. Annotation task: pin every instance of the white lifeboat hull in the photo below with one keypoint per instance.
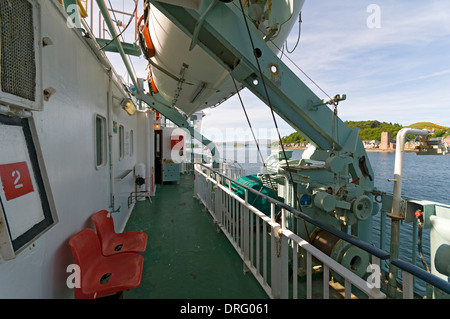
x,y
202,81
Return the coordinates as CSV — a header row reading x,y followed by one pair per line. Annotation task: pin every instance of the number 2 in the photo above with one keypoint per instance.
x,y
16,181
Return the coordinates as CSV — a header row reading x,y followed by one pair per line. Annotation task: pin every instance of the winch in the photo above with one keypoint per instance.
x,y
351,257
327,191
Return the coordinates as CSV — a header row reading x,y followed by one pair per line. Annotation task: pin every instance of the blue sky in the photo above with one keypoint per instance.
x,y
399,72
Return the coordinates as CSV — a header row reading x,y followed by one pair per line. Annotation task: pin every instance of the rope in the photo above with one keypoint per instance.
x,y
299,34
271,110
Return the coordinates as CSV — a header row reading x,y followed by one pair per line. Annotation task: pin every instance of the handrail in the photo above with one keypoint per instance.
x,y
230,212
422,274
348,238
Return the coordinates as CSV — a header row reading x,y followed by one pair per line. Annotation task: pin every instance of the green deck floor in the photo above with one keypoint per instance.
x,y
186,257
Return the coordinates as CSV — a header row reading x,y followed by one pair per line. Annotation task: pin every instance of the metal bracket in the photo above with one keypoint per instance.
x,y
313,106
199,24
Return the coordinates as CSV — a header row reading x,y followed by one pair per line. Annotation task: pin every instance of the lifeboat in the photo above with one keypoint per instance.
x,y
192,80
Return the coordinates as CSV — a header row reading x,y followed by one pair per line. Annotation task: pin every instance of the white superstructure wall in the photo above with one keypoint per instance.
x,y
66,133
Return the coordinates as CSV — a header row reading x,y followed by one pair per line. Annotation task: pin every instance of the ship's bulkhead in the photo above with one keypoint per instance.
x,y
67,151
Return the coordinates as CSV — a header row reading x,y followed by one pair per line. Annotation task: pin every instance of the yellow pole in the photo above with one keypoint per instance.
x,y
82,4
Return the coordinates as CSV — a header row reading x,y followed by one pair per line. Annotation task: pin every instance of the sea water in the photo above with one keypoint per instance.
x,y
428,178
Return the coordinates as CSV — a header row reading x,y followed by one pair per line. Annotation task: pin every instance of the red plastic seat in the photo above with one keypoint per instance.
x,y
101,275
112,242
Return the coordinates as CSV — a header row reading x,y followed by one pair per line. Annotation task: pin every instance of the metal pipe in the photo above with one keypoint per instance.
x,y
399,151
396,214
110,143
92,16
105,12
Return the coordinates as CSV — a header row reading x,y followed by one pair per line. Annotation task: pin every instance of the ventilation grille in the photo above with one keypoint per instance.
x,y
18,62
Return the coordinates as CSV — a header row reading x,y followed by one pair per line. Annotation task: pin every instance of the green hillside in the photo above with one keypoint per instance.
x,y
439,130
371,130
428,126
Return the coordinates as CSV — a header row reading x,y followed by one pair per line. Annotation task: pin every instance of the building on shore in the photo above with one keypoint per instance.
x,y
387,143
371,144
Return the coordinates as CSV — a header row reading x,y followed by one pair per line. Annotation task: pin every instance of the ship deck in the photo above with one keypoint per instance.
x,y
187,257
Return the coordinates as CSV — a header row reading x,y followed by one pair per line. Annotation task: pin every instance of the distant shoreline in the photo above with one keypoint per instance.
x,y
369,150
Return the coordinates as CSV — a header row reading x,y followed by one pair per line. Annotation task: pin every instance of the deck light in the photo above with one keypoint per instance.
x,y
128,106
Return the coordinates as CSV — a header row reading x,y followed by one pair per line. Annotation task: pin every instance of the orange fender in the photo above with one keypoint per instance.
x,y
148,40
154,88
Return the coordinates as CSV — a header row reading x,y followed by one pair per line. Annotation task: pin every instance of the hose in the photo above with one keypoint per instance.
x,y
419,216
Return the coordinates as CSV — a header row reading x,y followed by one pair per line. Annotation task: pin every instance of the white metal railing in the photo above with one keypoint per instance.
x,y
409,271
186,167
268,249
231,169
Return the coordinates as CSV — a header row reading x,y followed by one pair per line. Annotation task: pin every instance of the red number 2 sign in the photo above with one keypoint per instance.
x,y
16,180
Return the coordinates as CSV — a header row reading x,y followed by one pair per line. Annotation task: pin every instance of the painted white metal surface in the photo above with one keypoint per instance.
x,y
66,131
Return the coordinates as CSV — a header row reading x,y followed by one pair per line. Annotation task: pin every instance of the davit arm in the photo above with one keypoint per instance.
x,y
176,117
223,34
221,31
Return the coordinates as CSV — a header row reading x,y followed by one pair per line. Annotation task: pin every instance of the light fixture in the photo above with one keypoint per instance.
x,y
128,106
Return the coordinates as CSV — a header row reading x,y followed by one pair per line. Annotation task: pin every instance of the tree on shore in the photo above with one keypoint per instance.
x,y
371,130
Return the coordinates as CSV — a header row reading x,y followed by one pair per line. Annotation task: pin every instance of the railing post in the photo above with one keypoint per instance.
x,y
218,200
326,282
246,230
348,289
275,261
265,251
208,193
272,212
376,262
196,177
295,270
408,285
284,256
308,275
